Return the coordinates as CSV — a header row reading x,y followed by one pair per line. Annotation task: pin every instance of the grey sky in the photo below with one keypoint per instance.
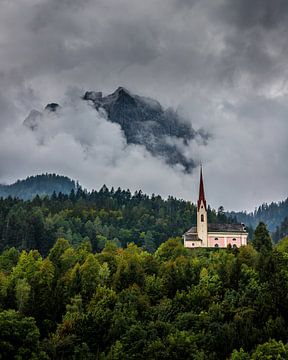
x,y
222,63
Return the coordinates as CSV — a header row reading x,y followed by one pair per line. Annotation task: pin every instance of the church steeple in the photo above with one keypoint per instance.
x,y
202,223
201,192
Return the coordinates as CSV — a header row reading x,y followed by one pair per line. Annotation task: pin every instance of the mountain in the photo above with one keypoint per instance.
x,y
143,121
273,215
44,184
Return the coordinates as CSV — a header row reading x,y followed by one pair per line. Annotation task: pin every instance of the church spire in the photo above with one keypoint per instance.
x,y
201,192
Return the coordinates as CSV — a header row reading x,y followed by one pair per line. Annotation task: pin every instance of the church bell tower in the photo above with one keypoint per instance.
x,y
202,222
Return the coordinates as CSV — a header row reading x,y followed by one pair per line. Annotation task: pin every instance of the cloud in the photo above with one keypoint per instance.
x,y
78,141
222,63
247,14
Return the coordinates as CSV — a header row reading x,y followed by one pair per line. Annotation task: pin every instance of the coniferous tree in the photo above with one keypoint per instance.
x,y
262,239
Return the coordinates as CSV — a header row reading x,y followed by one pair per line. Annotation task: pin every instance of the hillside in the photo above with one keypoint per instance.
x,y
272,215
100,216
41,185
104,274
129,304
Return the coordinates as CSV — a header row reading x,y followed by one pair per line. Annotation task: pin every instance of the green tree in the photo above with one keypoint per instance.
x,y
22,292
19,336
262,239
271,350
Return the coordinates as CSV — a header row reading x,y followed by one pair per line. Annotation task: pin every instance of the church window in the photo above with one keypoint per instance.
x,y
234,239
192,244
202,218
216,239
216,245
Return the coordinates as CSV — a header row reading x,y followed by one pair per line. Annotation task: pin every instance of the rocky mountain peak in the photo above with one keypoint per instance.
x,y
52,107
143,121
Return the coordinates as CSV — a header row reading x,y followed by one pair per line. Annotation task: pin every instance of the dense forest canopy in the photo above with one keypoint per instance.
x,y
99,216
272,214
91,275
127,303
46,184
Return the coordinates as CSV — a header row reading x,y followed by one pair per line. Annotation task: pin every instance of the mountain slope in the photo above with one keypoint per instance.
x,y
272,214
143,121
44,184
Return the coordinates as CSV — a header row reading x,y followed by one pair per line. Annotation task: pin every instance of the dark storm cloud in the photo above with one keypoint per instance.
x,y
246,13
221,62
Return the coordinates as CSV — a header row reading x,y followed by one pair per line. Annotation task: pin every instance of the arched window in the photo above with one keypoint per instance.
x,y
234,239
216,245
192,244
202,218
216,239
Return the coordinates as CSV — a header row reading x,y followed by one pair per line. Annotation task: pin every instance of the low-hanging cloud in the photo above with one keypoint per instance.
x,y
78,141
223,63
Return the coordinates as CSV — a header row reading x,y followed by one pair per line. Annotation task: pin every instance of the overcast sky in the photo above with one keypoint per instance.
x,y
221,63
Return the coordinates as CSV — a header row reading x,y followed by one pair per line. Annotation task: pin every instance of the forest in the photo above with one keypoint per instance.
x,y
130,304
273,215
44,184
101,216
104,275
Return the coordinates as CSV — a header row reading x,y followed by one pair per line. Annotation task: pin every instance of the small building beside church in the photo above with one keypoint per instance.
x,y
213,235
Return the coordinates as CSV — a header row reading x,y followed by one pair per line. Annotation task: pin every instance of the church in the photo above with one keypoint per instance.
x,y
213,235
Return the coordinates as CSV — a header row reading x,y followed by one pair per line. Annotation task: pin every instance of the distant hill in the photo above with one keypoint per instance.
x,y
281,231
272,215
41,185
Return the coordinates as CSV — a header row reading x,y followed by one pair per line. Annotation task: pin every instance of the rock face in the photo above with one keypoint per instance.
x,y
52,107
35,117
145,122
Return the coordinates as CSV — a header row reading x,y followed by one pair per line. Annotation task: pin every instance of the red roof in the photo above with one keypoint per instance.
x,y
201,192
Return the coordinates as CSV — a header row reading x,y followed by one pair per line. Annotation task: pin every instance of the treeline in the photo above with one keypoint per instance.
x,y
129,304
44,184
281,231
99,216
272,215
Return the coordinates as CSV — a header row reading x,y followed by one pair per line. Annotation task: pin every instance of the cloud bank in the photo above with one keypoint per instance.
x,y
222,63
78,141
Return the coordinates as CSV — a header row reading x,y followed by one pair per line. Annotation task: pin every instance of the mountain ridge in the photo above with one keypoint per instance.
x,y
163,132
41,185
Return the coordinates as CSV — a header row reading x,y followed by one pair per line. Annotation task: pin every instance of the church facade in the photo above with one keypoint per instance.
x,y
213,235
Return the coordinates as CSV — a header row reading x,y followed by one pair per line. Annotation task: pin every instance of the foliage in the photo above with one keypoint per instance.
x,y
281,231
126,303
92,275
271,214
99,217
262,239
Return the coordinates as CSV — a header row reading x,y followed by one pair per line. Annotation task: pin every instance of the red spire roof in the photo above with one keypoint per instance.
x,y
201,192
